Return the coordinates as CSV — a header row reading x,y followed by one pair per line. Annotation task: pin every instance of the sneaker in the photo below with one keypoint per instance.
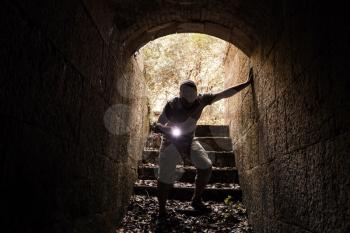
x,y
200,206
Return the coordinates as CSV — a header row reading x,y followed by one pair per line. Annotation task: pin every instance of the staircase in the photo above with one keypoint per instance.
x,y
224,179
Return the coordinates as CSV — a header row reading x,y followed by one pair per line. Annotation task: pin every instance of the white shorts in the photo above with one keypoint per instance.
x,y
170,156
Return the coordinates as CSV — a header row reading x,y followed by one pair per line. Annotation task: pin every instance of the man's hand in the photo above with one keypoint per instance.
x,y
159,128
155,127
250,77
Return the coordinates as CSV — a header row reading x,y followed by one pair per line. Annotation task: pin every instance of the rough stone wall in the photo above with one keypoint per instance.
x,y
62,169
291,128
64,67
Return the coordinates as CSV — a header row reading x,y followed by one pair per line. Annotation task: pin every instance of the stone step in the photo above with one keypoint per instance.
x,y
215,143
188,173
212,130
184,191
218,158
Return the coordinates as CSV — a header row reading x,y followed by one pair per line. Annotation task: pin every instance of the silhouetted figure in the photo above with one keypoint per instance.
x,y
177,123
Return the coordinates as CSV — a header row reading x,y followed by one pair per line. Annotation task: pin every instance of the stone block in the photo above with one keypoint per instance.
x,y
290,188
276,128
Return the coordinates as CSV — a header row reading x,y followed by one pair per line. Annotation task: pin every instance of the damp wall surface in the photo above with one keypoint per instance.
x,y
291,127
74,118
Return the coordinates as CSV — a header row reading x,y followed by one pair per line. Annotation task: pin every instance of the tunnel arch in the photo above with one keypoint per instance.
x,y
243,23
208,28
236,22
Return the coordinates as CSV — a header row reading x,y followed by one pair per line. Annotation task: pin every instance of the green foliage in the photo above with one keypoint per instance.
x,y
228,200
171,59
233,210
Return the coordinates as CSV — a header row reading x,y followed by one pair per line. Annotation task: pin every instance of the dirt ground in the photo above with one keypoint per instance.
x,y
226,217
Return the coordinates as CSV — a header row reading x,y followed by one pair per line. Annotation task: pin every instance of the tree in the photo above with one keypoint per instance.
x,y
171,59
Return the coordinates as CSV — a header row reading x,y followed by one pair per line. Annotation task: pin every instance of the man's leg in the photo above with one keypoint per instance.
x,y
203,164
201,180
163,190
168,158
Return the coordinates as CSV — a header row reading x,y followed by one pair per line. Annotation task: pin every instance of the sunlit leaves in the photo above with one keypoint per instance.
x,y
171,59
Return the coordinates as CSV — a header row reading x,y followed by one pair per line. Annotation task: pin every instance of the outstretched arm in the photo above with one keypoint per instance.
x,y
231,90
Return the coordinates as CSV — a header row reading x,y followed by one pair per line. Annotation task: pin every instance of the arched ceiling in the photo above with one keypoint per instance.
x,y
237,21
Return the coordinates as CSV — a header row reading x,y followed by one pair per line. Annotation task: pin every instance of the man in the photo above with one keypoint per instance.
x,y
178,122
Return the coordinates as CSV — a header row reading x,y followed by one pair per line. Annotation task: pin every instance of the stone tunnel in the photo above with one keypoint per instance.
x,y
66,63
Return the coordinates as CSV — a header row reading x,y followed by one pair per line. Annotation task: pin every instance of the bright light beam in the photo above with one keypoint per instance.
x,y
175,132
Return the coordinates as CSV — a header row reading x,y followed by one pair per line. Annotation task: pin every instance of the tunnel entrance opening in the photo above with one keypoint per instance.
x,y
171,59
217,140
166,62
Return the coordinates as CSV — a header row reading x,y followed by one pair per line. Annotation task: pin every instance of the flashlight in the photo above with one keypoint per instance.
x,y
175,131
